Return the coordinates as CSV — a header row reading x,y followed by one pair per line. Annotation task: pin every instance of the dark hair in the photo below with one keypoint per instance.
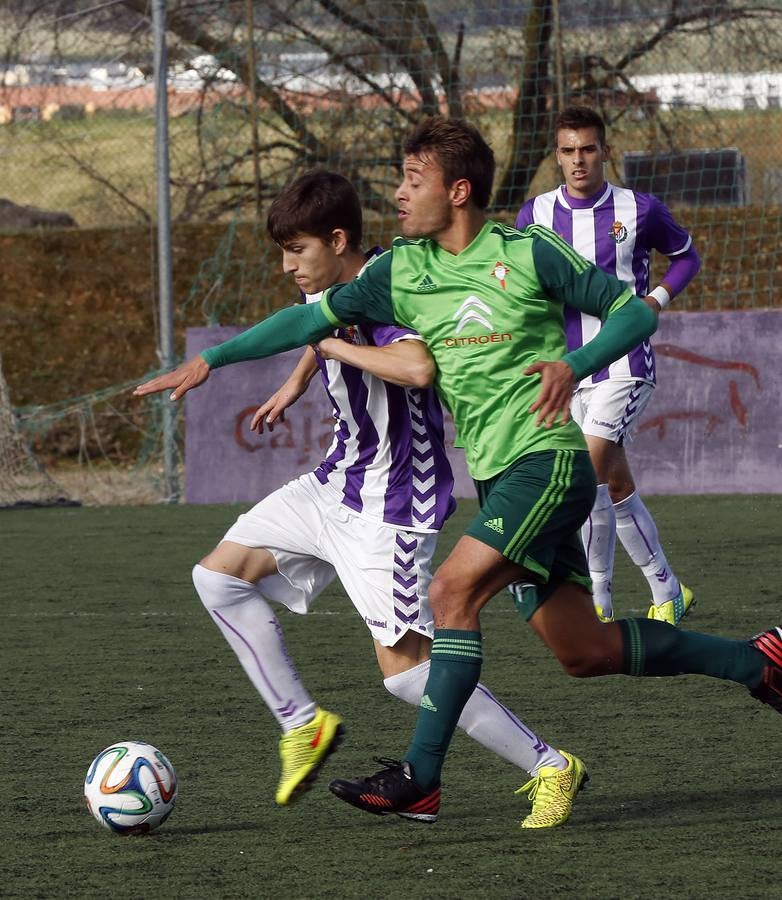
x,y
577,117
316,203
460,150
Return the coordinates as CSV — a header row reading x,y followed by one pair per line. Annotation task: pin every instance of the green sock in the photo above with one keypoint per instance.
x,y
656,648
453,675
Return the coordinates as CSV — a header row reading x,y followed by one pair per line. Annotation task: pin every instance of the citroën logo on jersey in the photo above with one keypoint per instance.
x,y
473,310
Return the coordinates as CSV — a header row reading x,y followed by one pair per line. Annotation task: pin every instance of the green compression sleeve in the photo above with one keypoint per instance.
x,y
291,327
623,329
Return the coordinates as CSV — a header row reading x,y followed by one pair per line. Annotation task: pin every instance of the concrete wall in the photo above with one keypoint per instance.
x,y
713,426
715,422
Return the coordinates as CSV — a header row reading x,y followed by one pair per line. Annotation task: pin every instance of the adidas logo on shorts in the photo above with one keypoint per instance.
x,y
495,525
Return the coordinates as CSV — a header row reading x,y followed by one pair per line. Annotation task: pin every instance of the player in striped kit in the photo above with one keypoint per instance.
x,y
487,300
369,514
617,229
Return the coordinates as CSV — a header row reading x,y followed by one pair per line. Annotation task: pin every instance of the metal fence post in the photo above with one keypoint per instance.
x,y
165,286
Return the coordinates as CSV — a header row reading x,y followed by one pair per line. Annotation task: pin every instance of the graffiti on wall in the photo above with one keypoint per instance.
x,y
746,378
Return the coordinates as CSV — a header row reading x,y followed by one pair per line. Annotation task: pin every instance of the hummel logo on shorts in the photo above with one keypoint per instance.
x,y
495,525
426,285
426,703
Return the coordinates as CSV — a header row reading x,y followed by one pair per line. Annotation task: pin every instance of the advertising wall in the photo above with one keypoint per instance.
x,y
714,424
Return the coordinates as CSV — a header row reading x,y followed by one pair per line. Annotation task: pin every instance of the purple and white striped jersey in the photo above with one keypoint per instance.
x,y
387,459
616,229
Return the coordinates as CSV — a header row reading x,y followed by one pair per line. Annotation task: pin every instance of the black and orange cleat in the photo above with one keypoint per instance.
x,y
770,688
391,790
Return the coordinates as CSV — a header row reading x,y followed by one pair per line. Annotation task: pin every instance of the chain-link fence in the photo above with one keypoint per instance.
x,y
339,83
691,94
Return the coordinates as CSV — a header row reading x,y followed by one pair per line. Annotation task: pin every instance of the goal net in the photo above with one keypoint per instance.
x,y
23,481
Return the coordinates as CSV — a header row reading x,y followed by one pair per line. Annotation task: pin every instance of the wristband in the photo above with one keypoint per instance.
x,y
661,296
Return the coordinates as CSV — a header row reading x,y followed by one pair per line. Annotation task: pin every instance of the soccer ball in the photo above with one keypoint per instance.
x,y
130,787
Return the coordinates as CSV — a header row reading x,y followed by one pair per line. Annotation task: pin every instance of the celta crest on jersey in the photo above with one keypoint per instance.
x,y
471,311
500,272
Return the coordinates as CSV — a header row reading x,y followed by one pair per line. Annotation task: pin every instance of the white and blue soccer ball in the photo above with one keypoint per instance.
x,y
130,787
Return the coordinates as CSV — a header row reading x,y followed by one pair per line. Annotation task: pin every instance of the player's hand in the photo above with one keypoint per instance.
x,y
556,390
652,303
189,375
273,410
329,346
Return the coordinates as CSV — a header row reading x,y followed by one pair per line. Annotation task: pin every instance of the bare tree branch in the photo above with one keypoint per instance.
x,y
710,15
413,40
190,30
103,180
531,119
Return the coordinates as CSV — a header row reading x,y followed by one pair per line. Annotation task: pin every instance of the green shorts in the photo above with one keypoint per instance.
x,y
532,513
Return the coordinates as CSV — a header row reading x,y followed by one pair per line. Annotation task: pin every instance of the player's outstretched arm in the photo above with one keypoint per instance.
x,y
273,410
189,375
292,327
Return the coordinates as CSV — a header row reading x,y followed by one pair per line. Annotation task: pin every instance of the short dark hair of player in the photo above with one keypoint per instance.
x,y
578,117
461,151
316,203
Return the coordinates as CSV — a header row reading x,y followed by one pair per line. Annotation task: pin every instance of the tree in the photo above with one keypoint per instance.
x,y
340,82
423,46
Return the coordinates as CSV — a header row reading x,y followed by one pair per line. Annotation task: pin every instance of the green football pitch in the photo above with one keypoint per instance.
x,y
104,639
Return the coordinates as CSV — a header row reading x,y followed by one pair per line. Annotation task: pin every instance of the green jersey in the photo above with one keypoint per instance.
x,y
486,314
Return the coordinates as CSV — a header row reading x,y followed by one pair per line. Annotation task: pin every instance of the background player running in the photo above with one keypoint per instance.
x,y
617,229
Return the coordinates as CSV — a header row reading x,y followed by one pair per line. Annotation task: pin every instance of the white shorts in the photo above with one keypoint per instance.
x,y
314,538
611,409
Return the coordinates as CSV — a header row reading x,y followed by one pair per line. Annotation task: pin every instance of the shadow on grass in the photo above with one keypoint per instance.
x,y
737,802
213,829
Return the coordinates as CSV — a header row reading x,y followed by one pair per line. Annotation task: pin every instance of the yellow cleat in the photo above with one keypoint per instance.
x,y
673,611
552,793
603,616
303,751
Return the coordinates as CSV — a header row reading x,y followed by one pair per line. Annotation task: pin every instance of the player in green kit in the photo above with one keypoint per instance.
x,y
488,301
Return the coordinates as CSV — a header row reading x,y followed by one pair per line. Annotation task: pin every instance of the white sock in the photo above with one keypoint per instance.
x,y
638,534
599,536
486,720
251,628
